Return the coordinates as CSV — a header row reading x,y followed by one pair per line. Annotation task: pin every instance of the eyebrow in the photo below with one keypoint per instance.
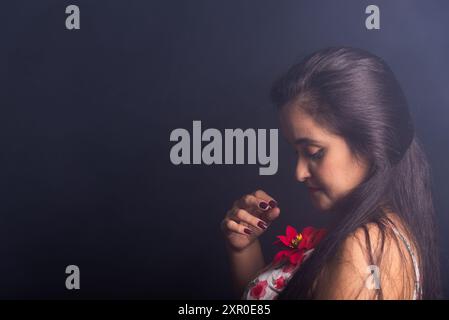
x,y
306,141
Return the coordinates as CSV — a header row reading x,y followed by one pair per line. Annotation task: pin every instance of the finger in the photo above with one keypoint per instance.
x,y
233,226
266,197
251,203
231,214
271,215
245,218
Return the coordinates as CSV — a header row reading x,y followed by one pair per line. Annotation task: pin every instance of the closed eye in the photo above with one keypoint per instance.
x,y
317,155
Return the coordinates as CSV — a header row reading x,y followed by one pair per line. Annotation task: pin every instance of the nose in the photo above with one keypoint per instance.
x,y
302,171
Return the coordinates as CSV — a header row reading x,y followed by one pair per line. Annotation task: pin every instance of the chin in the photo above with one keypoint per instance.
x,y
322,205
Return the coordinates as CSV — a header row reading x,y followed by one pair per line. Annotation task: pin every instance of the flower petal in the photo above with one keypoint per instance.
x,y
284,240
308,231
280,255
311,237
290,233
297,257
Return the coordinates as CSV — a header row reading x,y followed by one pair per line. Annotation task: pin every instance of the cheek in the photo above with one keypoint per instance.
x,y
333,178
324,177
338,179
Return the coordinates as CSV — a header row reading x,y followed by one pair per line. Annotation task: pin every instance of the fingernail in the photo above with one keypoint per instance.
x,y
247,231
263,205
273,204
262,225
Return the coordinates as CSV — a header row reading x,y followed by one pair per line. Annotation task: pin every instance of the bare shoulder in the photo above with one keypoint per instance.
x,y
361,246
370,264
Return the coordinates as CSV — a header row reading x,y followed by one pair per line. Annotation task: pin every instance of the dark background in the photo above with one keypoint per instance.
x,y
86,117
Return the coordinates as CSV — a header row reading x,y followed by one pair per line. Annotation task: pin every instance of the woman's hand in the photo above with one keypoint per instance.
x,y
248,218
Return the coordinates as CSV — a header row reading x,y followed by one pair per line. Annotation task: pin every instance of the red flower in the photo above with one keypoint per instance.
x,y
258,291
297,243
294,255
311,237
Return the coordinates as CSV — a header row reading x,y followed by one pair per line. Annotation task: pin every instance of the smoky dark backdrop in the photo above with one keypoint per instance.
x,y
86,117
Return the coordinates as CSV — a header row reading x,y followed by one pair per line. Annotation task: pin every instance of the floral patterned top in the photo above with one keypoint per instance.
x,y
297,247
272,280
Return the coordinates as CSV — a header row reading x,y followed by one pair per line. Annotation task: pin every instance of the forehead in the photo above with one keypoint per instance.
x,y
297,124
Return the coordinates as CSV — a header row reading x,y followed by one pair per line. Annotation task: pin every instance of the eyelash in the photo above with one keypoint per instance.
x,y
316,156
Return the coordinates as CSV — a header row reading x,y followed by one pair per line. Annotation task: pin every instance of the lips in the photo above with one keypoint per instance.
x,y
312,189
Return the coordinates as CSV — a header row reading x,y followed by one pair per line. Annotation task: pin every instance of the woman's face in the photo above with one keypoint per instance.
x,y
324,160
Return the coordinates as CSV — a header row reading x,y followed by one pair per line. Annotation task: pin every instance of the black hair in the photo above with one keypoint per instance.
x,y
355,95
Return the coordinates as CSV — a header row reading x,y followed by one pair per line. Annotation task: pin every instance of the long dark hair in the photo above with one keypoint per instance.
x,y
355,95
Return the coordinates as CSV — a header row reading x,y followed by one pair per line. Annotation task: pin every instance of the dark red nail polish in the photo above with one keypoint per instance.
x,y
263,205
273,204
262,225
247,231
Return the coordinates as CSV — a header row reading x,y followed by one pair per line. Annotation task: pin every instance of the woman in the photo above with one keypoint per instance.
x,y
345,115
